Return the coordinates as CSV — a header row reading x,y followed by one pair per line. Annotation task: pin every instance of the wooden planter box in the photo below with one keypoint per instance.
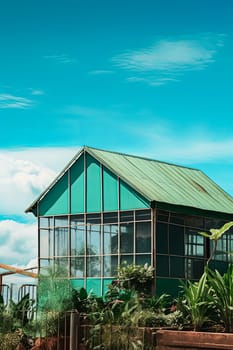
x,y
170,340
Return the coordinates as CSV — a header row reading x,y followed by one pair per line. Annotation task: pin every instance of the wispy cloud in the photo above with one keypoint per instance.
x,y
169,58
37,92
61,58
101,72
12,101
94,113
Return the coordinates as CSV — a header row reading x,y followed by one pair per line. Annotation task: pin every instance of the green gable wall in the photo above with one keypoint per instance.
x,y
93,185
130,199
77,186
87,186
110,188
55,202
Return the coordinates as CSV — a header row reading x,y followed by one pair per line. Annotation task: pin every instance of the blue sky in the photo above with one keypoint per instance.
x,y
150,77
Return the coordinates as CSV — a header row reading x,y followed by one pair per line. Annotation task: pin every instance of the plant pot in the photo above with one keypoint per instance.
x,y
168,340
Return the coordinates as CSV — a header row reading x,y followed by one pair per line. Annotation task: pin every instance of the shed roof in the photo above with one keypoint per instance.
x,y
160,181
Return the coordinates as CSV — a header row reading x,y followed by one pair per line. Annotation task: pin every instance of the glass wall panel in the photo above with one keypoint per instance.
x,y
94,244
176,240
77,240
126,216
44,244
76,220
61,241
177,267
141,215
93,218
61,221
126,259
110,265
44,264
194,268
162,238
93,266
162,265
127,238
110,239
45,222
143,259
194,243
143,237
62,264
77,266
110,218
93,239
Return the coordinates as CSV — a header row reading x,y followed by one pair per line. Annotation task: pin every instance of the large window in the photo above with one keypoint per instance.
x,y
181,251
93,245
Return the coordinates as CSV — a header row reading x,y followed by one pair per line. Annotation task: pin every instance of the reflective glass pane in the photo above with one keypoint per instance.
x,y
127,238
176,240
44,264
194,268
162,265
61,241
61,221
110,266
93,218
177,267
44,244
45,222
93,239
93,266
162,215
143,237
126,259
62,266
162,238
77,267
143,259
110,217
76,220
126,216
110,239
77,240
142,215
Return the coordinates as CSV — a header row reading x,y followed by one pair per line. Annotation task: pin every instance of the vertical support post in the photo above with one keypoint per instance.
x,y
74,330
0,285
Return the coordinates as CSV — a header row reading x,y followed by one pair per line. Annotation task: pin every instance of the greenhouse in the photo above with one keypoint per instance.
x,y
106,209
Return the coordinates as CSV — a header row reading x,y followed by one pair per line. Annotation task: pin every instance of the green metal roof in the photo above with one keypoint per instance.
x,y
161,182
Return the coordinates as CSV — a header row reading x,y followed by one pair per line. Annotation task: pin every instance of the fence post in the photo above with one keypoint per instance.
x,y
74,330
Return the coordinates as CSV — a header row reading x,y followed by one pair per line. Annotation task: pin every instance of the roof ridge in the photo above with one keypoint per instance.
x,y
139,157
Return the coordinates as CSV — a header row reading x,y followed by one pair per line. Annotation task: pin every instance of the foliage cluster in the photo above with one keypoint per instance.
x,y
208,302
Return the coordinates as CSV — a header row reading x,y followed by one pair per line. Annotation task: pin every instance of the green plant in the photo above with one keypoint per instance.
x,y
222,294
214,235
54,290
137,277
196,303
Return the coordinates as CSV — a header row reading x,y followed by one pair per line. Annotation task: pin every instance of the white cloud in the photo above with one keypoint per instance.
x,y
18,242
24,174
12,101
167,58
